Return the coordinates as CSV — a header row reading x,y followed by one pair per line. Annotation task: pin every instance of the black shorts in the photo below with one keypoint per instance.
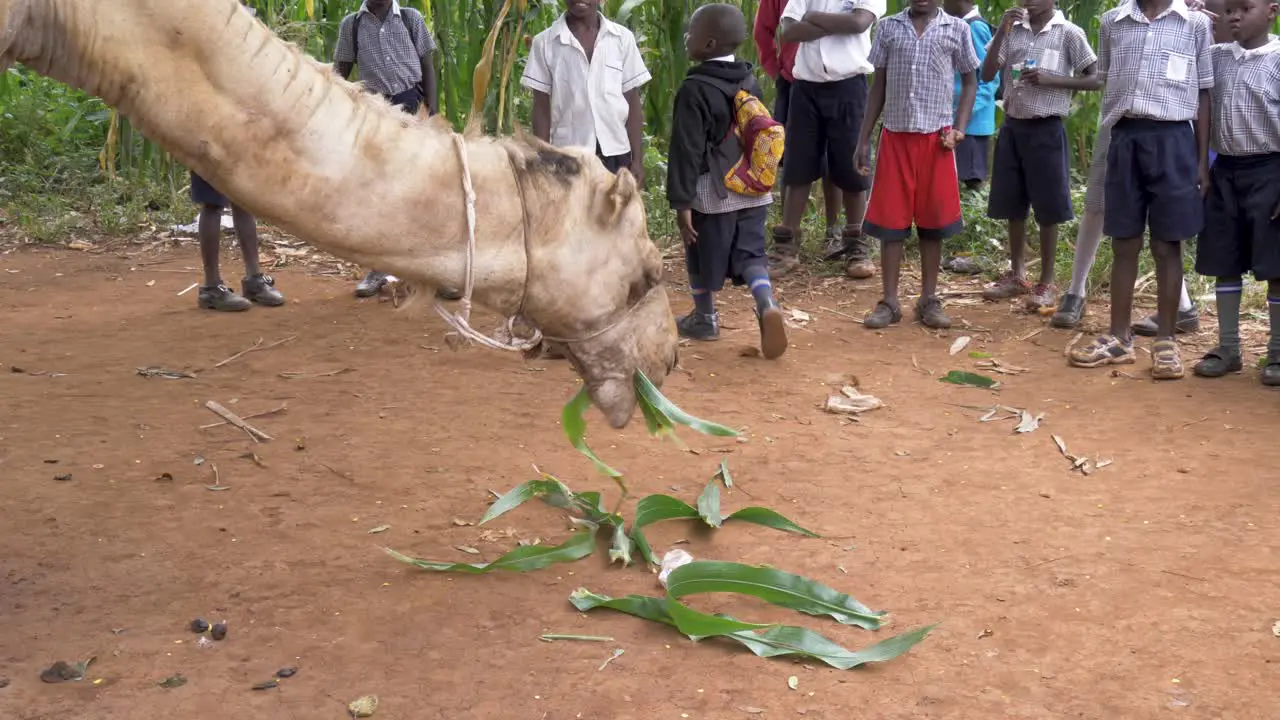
x,y
782,103
971,158
823,122
408,101
1031,172
728,243
614,163
1239,234
1152,169
202,193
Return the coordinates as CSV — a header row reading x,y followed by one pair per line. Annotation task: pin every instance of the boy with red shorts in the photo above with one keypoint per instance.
x,y
917,54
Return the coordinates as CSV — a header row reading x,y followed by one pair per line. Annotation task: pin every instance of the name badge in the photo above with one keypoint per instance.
x,y
1177,68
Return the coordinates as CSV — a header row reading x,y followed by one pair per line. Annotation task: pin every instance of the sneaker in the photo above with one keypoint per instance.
x,y
858,264
373,282
773,331
1188,322
1220,361
222,298
833,245
1008,286
1043,295
261,289
1166,361
699,326
883,315
1105,350
785,256
930,314
1069,313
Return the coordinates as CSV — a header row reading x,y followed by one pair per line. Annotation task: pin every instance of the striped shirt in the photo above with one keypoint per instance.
x,y
390,60
1154,69
921,70
1060,48
1246,99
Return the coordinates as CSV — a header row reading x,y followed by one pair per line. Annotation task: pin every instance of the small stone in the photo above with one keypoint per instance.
x,y
286,672
266,685
219,630
65,477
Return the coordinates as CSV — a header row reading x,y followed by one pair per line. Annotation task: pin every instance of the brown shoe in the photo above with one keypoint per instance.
x,y
883,315
785,256
1166,361
930,314
1008,286
858,264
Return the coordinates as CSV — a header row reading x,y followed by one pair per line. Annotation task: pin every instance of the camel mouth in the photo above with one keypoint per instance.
x,y
645,340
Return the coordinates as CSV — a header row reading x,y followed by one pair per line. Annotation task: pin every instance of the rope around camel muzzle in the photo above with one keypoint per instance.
x,y
461,321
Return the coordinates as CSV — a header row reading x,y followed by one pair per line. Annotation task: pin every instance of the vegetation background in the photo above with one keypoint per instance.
x,y
69,165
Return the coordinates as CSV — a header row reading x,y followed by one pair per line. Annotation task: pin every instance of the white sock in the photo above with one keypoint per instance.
x,y
1088,239
1185,303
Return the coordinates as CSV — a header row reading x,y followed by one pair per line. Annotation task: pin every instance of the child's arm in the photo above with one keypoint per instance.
x,y
965,62
794,27
541,116
765,32
690,128
635,133
1205,77
537,78
344,54
430,96
1082,60
851,23
995,57
875,107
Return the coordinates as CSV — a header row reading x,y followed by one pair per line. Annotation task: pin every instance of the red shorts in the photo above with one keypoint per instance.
x,y
915,184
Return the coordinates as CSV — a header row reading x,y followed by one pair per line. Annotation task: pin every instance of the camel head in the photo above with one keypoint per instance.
x,y
595,279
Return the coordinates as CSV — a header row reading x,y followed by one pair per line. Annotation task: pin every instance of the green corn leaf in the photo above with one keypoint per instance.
x,y
774,586
963,377
649,393
709,505
548,488
641,544
775,641
723,473
622,545
656,508
573,418
769,518
699,624
521,559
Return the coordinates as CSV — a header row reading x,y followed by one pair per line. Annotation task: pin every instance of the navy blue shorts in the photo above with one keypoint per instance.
x,y
971,158
1152,181
202,193
728,243
1239,234
823,122
614,163
1031,172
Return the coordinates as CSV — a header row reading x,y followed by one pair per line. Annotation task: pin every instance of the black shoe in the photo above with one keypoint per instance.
x,y
1188,322
221,298
699,326
1070,312
261,289
371,284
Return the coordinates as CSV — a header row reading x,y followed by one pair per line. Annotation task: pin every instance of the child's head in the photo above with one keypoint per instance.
x,y
1039,8
957,8
1249,20
715,30
922,7
582,9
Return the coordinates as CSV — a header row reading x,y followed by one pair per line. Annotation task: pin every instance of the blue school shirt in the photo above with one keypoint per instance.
x,y
983,119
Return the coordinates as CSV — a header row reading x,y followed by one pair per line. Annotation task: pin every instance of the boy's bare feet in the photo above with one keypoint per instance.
x,y
261,289
883,315
222,298
929,313
1008,286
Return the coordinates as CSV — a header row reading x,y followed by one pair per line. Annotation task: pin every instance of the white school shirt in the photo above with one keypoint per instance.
x,y
834,57
587,99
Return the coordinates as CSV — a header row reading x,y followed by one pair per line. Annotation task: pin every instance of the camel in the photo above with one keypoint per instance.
x,y
558,242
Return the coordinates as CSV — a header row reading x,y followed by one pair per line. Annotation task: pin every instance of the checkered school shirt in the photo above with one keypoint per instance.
x,y
1060,48
1246,99
1154,69
390,62
921,70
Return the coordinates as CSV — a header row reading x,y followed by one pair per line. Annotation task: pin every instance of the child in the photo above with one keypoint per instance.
x,y
1089,236
1242,214
1157,165
585,73
778,60
1032,164
974,149
827,102
256,287
723,231
916,55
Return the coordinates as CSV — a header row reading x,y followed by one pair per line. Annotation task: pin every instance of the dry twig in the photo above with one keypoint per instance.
x,y
280,409
256,346
251,431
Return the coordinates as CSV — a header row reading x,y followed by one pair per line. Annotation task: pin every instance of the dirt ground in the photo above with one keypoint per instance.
x,y
1146,589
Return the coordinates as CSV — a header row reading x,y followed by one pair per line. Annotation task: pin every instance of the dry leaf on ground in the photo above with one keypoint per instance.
x,y
961,343
851,402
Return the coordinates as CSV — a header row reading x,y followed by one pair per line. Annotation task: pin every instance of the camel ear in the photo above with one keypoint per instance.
x,y
617,197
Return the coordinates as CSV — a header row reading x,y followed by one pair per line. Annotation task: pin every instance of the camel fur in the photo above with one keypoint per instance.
x,y
287,139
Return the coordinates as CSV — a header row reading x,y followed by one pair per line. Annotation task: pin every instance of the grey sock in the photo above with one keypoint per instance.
x,y
1228,295
1273,343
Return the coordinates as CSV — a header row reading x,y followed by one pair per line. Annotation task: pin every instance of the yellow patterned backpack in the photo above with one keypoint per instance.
x,y
756,139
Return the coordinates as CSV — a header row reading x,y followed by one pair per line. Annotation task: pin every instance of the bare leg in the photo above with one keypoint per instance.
x,y
794,198
831,199
1124,273
890,265
1018,248
1048,252
1168,257
930,264
855,209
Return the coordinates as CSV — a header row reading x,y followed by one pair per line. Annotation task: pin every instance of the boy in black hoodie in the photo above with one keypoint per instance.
x,y
723,231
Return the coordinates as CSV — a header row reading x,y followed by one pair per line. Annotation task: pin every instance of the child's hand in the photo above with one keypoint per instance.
x,y
1011,16
637,170
684,220
1204,179
1032,76
951,138
862,159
